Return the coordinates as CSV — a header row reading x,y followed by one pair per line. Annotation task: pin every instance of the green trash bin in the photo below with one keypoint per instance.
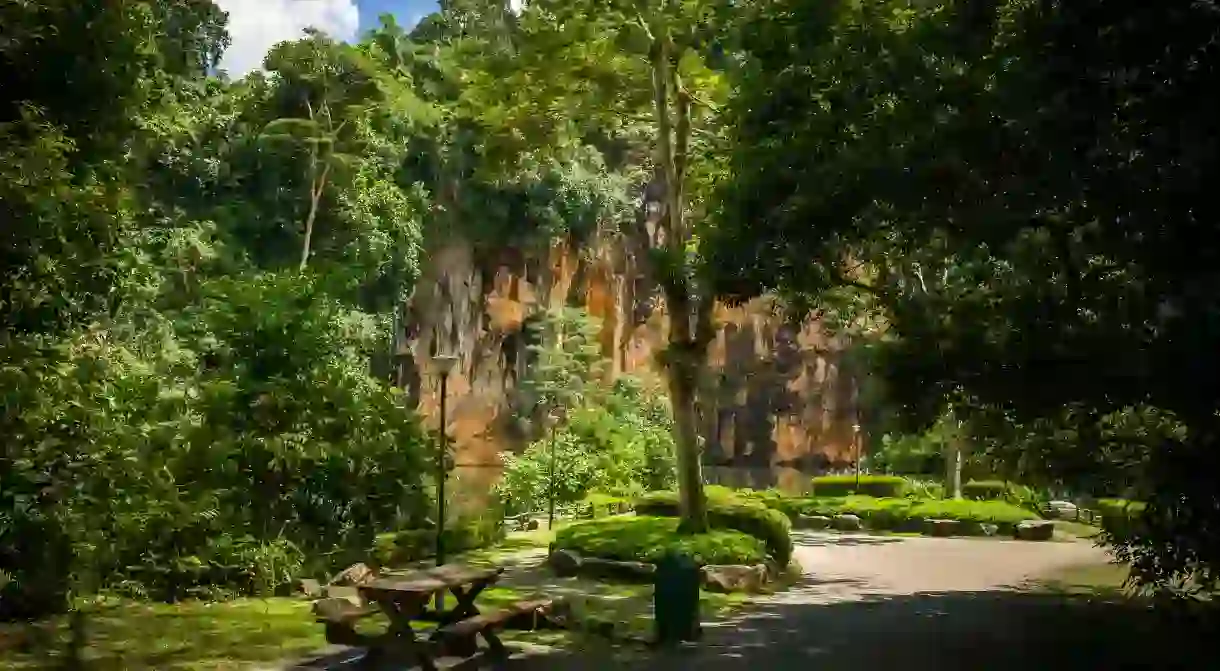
x,y
676,599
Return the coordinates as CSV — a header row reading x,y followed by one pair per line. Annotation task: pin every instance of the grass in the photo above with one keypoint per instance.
x,y
190,636
647,539
1096,580
1072,529
260,633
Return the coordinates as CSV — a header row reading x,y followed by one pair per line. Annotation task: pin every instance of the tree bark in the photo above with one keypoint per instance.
x,y
683,357
315,196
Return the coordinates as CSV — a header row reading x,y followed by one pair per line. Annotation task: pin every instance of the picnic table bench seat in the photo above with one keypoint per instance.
x,y
339,617
520,615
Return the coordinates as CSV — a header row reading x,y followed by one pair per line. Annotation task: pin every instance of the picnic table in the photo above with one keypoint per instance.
x,y
404,599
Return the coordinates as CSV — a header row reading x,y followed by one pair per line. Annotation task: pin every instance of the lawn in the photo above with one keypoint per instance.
x,y
190,635
259,633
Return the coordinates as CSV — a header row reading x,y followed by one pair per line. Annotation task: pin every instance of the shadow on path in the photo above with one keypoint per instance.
x,y
935,631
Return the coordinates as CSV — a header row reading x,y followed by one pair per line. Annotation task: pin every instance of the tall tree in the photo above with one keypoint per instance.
x,y
636,73
1050,161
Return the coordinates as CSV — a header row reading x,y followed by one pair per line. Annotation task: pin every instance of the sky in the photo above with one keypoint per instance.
x,y
257,25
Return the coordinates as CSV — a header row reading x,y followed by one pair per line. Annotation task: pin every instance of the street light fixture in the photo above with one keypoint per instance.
x,y
442,364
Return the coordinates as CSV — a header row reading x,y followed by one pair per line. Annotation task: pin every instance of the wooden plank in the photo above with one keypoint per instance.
x,y
432,580
478,623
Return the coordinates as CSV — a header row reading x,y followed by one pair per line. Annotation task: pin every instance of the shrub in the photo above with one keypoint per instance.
x,y
728,510
647,539
902,514
925,489
870,485
1120,517
409,545
1004,515
985,490
619,444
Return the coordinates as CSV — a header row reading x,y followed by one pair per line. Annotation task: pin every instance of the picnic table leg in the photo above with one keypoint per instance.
x,y
399,640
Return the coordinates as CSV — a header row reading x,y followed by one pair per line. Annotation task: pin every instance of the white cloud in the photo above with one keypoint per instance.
x,y
257,25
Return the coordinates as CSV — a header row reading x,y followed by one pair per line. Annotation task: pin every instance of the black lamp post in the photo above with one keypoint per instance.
x,y
443,364
553,420
855,439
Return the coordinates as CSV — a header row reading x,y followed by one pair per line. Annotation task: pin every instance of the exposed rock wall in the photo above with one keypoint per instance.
x,y
775,393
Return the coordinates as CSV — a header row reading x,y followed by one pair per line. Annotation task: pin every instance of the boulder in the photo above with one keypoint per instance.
x,y
309,587
1035,530
812,522
976,529
734,578
940,528
1063,510
564,563
342,592
846,523
356,574
609,568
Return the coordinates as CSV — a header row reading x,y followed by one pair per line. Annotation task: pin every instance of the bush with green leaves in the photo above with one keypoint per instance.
x,y
1121,519
648,539
242,446
984,490
727,511
904,514
409,545
868,485
622,446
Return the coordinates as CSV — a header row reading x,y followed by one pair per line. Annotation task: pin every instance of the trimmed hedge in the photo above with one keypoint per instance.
x,y
881,486
647,539
902,514
1120,517
726,510
985,490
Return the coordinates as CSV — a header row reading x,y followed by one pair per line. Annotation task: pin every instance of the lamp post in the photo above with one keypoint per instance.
x,y
855,439
553,420
442,363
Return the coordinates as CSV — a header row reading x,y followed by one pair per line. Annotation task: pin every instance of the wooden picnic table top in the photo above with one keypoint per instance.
x,y
432,580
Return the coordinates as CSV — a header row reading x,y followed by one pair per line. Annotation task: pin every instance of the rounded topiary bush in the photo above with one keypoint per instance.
x,y
729,512
647,539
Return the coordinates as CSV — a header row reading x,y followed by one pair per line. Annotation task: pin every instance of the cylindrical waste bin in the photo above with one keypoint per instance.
x,y
676,599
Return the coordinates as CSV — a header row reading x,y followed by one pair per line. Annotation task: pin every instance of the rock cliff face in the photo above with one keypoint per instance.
x,y
775,394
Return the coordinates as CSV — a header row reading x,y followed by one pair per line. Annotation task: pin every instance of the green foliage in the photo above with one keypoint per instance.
x,y
725,511
982,490
621,447
987,188
925,489
904,514
403,547
1121,519
648,539
870,485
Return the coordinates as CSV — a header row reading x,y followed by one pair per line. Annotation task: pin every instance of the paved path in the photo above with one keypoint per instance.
x,y
879,603
885,603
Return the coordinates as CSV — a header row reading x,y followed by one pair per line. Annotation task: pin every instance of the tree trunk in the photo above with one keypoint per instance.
x,y
315,196
953,468
684,358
